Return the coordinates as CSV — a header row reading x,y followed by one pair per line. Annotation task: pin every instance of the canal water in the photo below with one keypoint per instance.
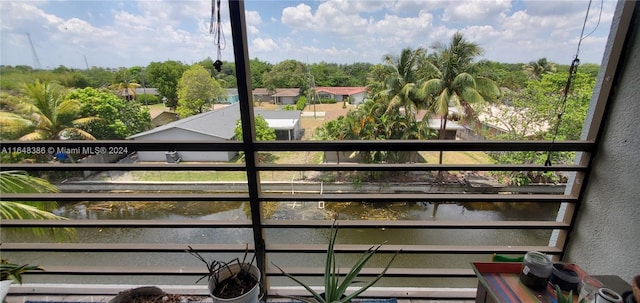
x,y
421,211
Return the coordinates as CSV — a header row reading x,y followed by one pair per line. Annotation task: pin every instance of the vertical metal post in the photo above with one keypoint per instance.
x,y
243,75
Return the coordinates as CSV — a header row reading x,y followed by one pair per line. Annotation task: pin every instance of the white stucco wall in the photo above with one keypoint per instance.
x,y
358,98
606,239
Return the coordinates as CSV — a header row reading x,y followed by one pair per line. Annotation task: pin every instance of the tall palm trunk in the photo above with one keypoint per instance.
x,y
442,135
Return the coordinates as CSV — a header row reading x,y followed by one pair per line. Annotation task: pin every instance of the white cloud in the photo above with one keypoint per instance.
x,y
474,10
134,33
253,17
297,17
264,45
17,14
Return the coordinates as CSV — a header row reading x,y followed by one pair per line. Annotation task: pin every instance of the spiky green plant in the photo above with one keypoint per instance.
x,y
334,288
562,298
12,271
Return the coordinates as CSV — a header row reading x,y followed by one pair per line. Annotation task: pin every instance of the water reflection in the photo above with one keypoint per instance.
x,y
285,211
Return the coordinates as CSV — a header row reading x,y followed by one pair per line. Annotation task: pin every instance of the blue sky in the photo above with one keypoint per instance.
x,y
126,33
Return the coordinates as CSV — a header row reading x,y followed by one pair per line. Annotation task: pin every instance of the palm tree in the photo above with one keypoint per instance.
x,y
126,90
453,83
21,182
535,69
52,117
400,83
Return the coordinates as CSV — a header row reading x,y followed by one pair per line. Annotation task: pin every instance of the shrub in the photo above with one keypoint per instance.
x,y
326,100
147,99
301,103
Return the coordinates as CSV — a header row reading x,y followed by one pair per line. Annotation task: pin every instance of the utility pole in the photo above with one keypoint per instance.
x,y
36,61
312,93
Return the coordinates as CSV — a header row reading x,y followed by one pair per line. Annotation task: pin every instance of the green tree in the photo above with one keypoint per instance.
x,y
404,72
535,69
125,90
196,89
52,117
258,69
329,74
374,121
164,76
119,119
357,73
135,74
548,95
287,74
376,77
535,114
99,77
263,131
505,75
453,84
13,182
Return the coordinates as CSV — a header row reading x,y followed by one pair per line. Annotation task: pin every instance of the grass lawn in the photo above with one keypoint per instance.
x,y
457,157
310,124
197,176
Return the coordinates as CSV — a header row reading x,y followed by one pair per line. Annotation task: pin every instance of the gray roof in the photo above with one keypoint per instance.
x,y
146,90
219,123
277,114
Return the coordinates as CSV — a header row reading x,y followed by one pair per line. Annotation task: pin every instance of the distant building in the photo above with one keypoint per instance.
x,y
451,129
216,125
286,95
503,119
163,117
353,95
147,91
279,96
231,97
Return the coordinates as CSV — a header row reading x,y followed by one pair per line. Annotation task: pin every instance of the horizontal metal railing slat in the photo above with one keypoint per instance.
x,y
376,197
273,248
286,167
403,224
271,271
342,145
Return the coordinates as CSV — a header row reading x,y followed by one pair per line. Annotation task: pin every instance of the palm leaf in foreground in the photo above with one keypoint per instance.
x,y
19,182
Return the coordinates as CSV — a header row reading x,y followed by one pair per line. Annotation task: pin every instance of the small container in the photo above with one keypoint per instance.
x,y
536,270
606,295
566,278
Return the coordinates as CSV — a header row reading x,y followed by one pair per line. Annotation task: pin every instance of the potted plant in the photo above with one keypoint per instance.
x,y
334,289
561,297
235,281
10,273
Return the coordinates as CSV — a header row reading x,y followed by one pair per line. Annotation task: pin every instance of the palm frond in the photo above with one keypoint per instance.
x,y
21,182
83,134
35,135
471,95
464,80
13,181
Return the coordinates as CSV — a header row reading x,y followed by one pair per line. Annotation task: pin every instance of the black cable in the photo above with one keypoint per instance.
x,y
573,69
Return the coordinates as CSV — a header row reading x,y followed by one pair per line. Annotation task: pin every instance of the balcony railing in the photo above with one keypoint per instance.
x,y
263,235
434,265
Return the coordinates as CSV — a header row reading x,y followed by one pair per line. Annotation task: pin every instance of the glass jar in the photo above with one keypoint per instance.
x,y
536,269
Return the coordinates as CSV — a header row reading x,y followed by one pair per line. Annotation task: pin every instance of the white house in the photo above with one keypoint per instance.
x,y
216,125
356,94
286,95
